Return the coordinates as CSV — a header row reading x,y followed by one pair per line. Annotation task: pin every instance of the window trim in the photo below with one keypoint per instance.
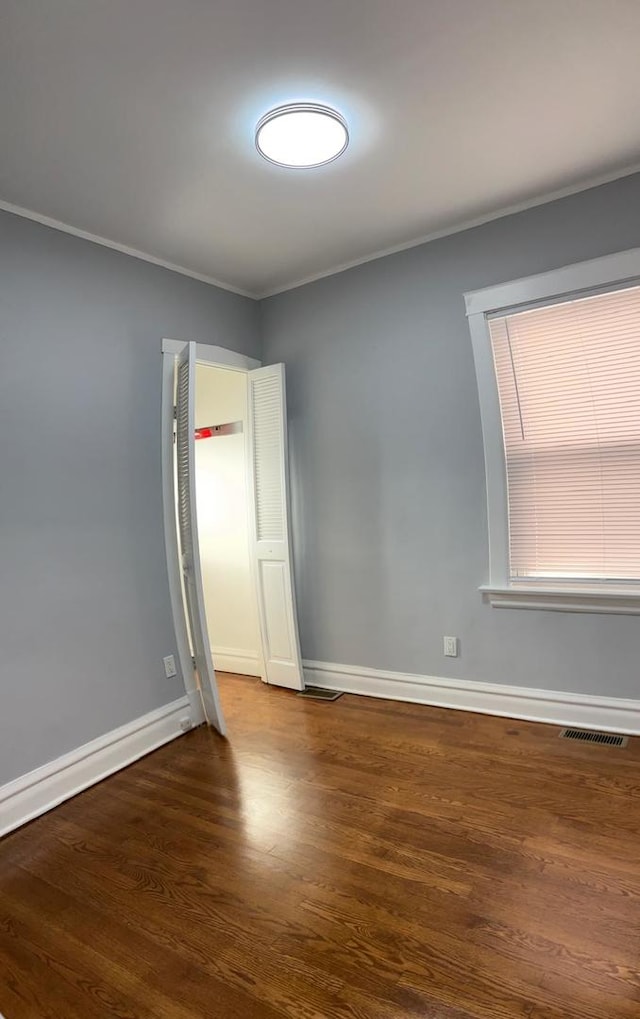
x,y
564,283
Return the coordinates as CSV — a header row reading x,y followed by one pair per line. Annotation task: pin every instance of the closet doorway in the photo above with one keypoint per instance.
x,y
222,508
228,543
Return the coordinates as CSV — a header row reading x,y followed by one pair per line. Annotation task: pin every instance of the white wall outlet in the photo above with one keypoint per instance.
x,y
170,667
450,647
186,723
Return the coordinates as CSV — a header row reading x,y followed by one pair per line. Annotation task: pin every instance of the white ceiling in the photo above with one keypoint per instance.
x,y
133,120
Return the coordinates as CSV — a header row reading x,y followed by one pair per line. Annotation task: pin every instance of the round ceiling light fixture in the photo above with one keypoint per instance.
x,y
301,135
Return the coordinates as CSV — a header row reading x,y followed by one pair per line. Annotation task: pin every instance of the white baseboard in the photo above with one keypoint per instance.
x,y
30,795
611,714
228,659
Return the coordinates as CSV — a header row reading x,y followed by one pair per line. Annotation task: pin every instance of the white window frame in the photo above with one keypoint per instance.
x,y
571,280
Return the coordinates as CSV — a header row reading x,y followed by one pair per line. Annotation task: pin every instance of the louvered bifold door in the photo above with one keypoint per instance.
x,y
269,484
188,534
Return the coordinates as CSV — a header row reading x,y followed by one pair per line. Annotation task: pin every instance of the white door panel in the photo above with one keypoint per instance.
x,y
271,546
188,535
276,597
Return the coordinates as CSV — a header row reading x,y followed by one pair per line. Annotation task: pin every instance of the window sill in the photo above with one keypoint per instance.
x,y
558,599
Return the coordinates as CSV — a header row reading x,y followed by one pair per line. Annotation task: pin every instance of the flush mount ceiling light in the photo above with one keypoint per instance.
x,y
301,135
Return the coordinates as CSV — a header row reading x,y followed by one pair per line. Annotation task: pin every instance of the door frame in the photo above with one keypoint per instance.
x,y
218,357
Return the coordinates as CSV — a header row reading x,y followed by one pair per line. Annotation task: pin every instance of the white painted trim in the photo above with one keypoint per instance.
x,y
33,794
617,269
174,568
569,279
608,714
124,249
207,353
467,224
494,455
434,235
258,295
558,599
245,663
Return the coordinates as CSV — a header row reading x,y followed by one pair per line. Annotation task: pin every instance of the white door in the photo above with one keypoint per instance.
x,y
188,535
270,540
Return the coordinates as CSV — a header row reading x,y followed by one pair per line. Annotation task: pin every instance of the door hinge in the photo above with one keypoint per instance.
x,y
175,413
193,660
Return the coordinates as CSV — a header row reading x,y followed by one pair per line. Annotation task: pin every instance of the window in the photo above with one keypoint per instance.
x,y
561,402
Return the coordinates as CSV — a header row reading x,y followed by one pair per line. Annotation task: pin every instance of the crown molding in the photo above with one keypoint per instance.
x,y
124,249
467,224
416,242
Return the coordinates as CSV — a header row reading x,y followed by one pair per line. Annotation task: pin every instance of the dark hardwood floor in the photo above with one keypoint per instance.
x,y
361,859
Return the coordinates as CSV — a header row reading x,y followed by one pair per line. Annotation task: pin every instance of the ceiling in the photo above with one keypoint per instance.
x,y
133,120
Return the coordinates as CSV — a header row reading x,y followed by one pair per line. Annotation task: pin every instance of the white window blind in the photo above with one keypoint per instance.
x,y
569,385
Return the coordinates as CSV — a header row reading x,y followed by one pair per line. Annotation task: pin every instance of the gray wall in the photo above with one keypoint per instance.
x,y
387,462
84,604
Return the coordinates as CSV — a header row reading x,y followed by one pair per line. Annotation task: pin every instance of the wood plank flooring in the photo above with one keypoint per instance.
x,y
361,859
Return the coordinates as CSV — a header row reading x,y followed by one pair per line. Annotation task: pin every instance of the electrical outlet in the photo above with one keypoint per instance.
x,y
170,667
186,723
450,647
